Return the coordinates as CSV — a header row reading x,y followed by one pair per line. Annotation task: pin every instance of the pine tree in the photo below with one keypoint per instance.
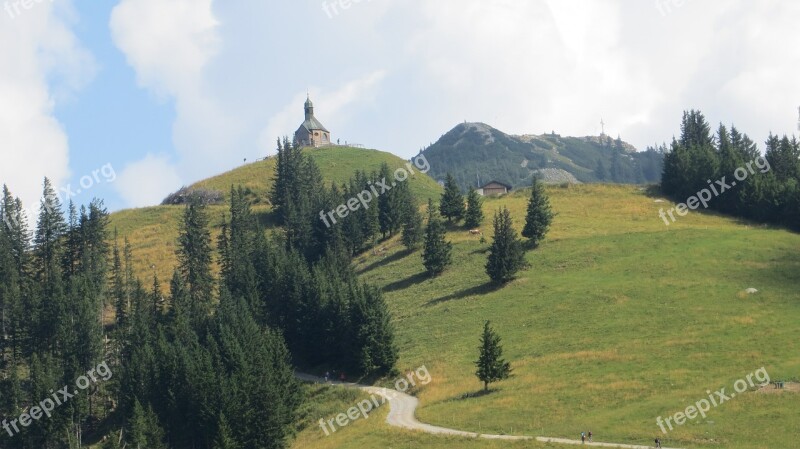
x,y
452,206
194,260
437,255
144,432
539,216
600,171
224,439
413,229
48,303
374,333
491,365
390,204
474,216
506,255
50,230
236,244
119,291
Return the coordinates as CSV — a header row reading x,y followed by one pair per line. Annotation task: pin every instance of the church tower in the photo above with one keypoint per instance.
x,y
311,133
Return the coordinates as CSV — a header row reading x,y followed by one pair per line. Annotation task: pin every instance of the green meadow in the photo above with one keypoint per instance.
x,y
618,320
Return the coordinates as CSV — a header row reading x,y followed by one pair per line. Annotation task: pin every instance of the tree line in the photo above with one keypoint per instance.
x,y
699,158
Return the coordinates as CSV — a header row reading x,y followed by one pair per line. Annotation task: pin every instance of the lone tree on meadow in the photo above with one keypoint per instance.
x,y
506,256
452,206
540,215
474,216
437,255
490,363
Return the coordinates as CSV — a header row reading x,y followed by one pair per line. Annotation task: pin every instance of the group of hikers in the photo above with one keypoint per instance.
x,y
584,436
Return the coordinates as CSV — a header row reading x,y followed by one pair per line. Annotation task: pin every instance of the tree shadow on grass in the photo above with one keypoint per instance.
x,y
407,282
386,261
482,289
474,395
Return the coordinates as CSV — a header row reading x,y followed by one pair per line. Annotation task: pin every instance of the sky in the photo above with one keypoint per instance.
x,y
129,100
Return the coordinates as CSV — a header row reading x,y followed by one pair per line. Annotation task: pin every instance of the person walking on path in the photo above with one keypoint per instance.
x,y
583,437
658,442
590,436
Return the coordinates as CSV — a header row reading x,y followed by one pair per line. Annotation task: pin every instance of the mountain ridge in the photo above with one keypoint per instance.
x,y
475,153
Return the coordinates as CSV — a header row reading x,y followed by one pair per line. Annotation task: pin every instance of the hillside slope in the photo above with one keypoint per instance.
x,y
619,320
476,152
153,231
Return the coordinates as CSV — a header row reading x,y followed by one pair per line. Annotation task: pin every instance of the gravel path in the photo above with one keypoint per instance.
x,y
403,407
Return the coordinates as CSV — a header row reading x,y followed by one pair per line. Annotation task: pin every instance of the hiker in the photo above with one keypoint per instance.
x,y
590,436
327,375
583,437
658,442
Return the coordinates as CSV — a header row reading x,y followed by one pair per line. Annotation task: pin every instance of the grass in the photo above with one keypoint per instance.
x,y
619,319
326,402
153,231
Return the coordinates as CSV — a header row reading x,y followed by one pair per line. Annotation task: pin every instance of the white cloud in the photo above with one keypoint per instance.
x,y
170,43
41,63
533,66
335,104
397,74
148,181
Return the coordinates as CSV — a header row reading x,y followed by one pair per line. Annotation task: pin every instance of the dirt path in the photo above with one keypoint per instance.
x,y
403,407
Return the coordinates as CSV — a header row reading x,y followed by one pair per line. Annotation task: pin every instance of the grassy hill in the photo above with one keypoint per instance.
x,y
619,320
153,231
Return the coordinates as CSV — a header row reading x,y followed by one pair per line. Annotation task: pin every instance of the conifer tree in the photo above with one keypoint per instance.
x,y
119,291
390,204
474,216
194,260
539,215
224,439
491,365
374,332
413,228
452,206
437,255
506,255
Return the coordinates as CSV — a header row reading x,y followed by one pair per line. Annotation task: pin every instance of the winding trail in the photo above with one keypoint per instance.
x,y
402,409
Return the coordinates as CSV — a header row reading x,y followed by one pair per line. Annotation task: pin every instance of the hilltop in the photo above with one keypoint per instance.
x,y
474,152
153,231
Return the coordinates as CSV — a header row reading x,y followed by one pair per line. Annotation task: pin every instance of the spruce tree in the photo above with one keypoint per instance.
x,y
390,204
474,216
539,216
119,291
506,255
437,255
374,336
491,365
600,171
413,228
452,206
224,439
194,260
